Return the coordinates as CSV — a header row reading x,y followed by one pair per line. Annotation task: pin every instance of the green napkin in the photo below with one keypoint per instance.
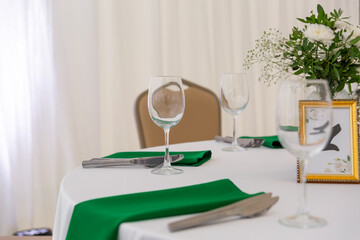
x,y
270,141
195,158
98,219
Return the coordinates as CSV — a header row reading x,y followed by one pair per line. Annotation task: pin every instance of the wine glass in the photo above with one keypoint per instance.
x,y
234,97
304,132
166,104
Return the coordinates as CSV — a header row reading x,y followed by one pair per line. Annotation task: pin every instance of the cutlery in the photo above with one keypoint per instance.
x,y
243,142
247,208
141,161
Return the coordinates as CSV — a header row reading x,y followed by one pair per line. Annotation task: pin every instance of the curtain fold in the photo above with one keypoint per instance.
x,y
70,72
26,94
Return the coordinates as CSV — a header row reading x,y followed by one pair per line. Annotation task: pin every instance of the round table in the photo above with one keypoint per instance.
x,y
254,170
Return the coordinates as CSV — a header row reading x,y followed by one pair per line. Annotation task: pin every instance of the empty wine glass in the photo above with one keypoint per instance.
x,y
304,132
234,97
166,104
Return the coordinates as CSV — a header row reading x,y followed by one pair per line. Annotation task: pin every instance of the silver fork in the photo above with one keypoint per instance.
x,y
249,207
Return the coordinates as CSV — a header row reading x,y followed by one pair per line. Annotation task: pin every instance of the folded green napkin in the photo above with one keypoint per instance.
x,y
99,219
195,158
270,141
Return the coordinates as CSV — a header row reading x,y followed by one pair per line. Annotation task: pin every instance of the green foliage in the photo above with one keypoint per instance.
x,y
337,63
336,60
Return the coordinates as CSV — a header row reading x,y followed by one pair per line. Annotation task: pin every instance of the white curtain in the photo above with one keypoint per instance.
x,y
28,112
70,72
35,140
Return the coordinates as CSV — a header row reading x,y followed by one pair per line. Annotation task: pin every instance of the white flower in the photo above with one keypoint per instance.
x,y
347,30
343,167
355,31
318,32
341,24
358,70
348,27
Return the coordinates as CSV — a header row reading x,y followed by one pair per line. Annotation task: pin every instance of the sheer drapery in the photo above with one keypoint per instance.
x,y
70,72
33,134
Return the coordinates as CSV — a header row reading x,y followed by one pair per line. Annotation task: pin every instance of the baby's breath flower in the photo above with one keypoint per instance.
x,y
269,50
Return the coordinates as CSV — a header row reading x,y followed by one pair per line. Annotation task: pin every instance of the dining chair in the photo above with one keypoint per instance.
x,y
201,120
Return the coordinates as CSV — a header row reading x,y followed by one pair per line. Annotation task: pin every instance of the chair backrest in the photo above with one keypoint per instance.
x,y
201,119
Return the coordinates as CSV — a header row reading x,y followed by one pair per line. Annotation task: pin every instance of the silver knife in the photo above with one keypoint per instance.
x,y
244,142
141,161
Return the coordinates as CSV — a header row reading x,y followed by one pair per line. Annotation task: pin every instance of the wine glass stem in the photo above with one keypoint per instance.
x,y
234,141
167,155
303,210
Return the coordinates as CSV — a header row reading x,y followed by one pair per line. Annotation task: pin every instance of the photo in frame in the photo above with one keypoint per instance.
x,y
339,161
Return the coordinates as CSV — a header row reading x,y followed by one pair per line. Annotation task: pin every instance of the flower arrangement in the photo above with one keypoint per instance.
x,y
326,48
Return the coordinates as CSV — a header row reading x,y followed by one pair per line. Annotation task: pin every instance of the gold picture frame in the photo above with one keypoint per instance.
x,y
339,162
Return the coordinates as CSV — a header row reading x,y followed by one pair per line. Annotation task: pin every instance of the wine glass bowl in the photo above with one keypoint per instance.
x,y
234,97
304,132
166,105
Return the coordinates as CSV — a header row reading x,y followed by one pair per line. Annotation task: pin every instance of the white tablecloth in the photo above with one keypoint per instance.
x,y
255,170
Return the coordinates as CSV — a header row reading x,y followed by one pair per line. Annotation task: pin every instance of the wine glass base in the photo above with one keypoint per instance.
x,y
303,221
234,149
169,170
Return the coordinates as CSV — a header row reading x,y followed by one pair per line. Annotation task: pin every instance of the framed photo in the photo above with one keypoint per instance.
x,y
339,161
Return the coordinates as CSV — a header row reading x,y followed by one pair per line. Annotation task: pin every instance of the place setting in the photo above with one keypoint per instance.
x,y
214,201
166,104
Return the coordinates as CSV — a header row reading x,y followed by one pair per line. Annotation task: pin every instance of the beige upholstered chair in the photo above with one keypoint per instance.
x,y
201,119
